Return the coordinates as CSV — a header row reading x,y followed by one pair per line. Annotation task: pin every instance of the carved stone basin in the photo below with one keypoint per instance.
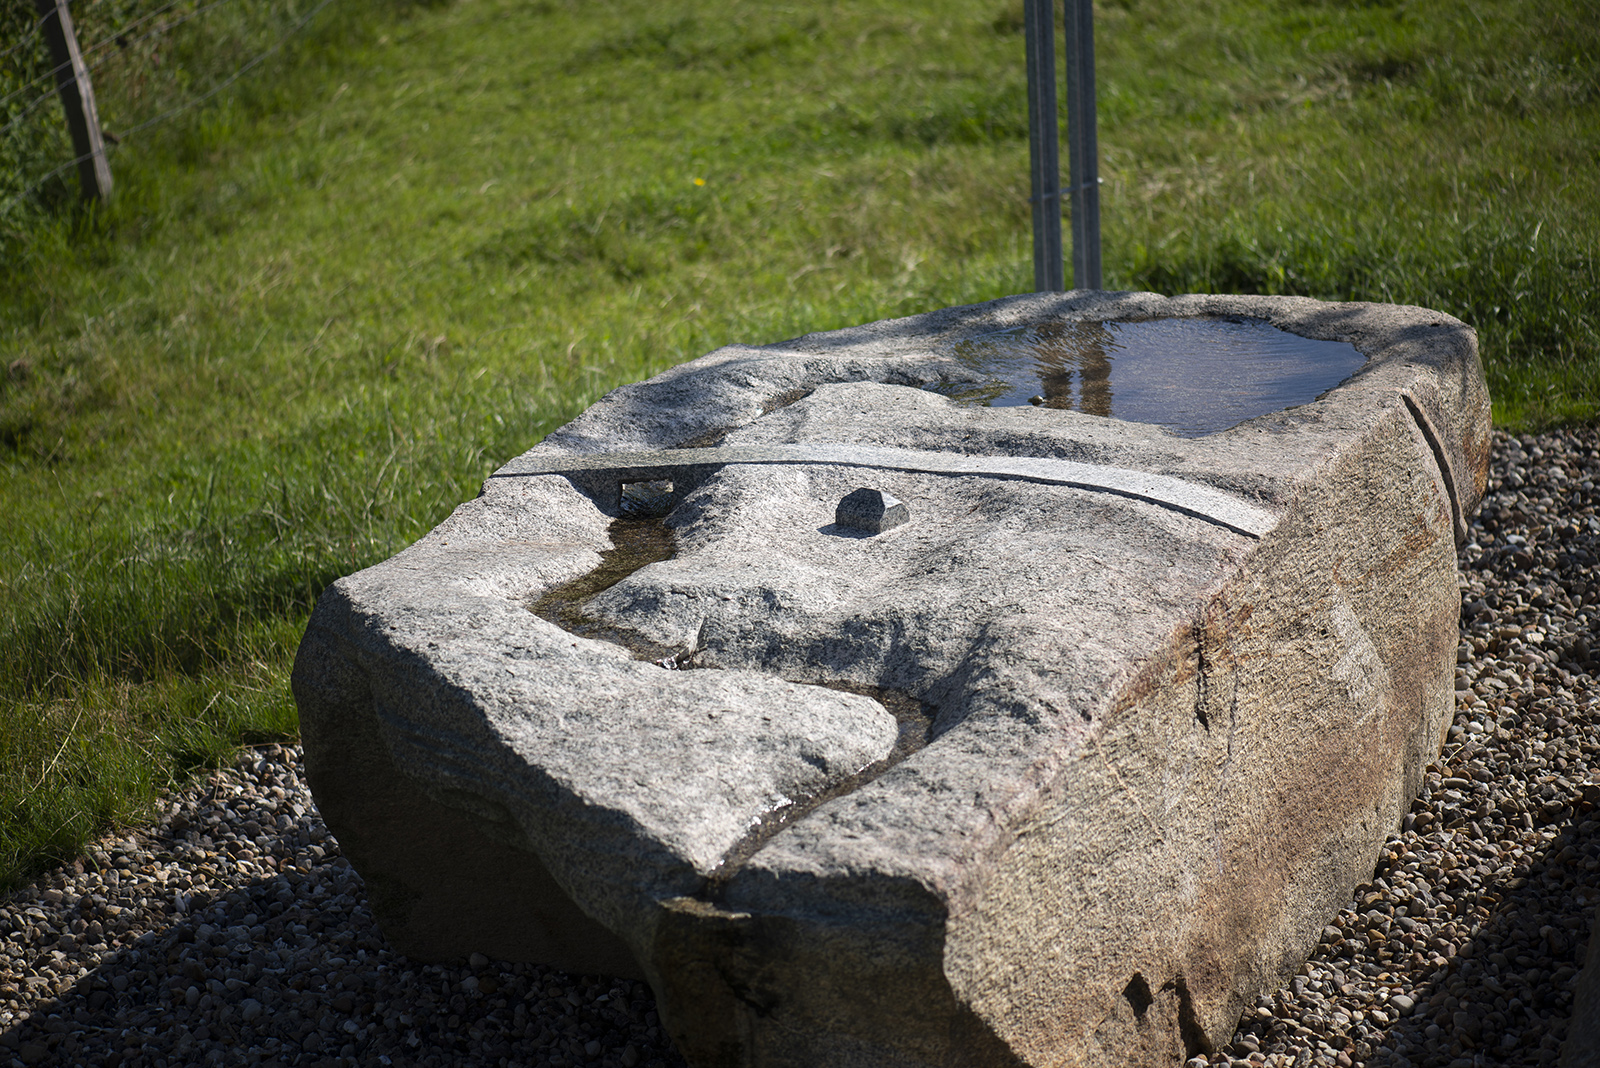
x,y
1063,769
1193,375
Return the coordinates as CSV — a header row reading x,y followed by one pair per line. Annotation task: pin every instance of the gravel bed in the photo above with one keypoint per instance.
x,y
233,932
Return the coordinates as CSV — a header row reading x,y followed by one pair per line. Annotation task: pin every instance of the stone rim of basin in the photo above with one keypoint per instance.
x,y
467,705
1404,360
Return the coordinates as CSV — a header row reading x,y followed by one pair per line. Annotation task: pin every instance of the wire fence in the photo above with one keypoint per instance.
x,y
149,61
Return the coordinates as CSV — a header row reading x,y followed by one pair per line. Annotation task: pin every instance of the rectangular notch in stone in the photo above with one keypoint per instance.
x,y
650,499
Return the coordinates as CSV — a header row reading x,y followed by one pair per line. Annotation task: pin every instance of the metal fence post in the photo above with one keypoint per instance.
x,y
1083,155
1044,156
77,98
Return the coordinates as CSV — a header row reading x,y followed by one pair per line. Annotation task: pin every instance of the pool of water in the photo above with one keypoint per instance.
x,y
1194,376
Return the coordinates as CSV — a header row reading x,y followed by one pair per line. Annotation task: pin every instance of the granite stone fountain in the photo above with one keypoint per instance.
x,y
1017,684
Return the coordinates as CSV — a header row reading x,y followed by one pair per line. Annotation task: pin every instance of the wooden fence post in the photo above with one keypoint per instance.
x,y
77,97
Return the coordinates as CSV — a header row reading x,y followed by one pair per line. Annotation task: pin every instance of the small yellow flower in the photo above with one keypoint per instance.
x,y
699,181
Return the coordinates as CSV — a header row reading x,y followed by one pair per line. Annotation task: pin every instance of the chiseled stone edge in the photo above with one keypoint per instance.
x,y
603,473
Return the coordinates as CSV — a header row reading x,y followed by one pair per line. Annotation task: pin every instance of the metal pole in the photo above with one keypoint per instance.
x,y
77,98
1044,156
1083,154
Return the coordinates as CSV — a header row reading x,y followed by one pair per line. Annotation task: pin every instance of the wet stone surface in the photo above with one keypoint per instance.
x,y
233,932
638,541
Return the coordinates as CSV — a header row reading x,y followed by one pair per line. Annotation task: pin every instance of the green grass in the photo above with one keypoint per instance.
x,y
323,306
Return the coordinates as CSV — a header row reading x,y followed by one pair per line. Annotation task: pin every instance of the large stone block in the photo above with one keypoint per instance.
x,y
1062,770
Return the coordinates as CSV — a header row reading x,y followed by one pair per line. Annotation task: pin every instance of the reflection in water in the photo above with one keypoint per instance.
x,y
1193,376
1082,348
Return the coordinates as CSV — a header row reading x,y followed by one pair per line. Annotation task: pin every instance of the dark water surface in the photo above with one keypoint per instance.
x,y
1194,376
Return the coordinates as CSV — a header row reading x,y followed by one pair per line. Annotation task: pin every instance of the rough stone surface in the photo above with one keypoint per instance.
x,y
601,474
1163,752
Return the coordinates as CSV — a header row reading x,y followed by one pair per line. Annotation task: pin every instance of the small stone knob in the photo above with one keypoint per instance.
x,y
870,510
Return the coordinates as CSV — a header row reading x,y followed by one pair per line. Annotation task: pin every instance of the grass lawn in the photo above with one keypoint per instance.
x,y
321,307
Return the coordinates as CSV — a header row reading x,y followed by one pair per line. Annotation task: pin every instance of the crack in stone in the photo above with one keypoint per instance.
x,y
915,721
1189,1029
1442,459
638,542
